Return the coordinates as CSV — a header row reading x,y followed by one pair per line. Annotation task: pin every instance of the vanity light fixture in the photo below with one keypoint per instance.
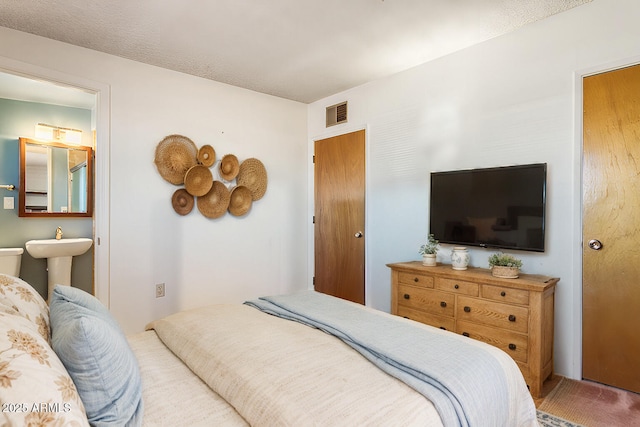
x,y
58,134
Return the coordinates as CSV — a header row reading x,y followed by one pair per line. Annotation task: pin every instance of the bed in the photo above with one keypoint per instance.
x,y
305,359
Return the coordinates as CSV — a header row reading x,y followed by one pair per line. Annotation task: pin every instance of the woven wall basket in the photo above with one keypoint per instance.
x,y
240,201
214,204
198,180
253,175
175,154
182,201
206,155
229,167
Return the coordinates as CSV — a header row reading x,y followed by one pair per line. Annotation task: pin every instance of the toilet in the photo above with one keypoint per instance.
x,y
10,259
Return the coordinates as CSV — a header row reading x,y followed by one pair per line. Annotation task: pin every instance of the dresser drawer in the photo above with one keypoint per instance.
x,y
505,316
508,295
415,279
442,322
426,300
457,286
514,344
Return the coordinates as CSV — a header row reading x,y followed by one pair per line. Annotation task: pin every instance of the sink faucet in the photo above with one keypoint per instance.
x,y
58,233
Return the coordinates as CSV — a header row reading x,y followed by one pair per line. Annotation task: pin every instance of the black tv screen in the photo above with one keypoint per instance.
x,y
502,207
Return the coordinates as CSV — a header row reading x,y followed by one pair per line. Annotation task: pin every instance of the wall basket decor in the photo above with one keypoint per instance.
x,y
239,184
253,175
206,155
229,167
182,201
175,154
215,203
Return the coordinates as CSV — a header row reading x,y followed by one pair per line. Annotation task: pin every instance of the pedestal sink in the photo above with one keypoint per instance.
x,y
59,254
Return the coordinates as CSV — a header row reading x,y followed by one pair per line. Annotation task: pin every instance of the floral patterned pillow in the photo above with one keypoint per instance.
x,y
35,388
18,297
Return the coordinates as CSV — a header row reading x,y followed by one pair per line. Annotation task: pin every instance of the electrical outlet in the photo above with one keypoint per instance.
x,y
159,290
8,203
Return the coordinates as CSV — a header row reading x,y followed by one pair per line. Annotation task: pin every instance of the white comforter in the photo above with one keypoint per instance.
x,y
268,371
172,395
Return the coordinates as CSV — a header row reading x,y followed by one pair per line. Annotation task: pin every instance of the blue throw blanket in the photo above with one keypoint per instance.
x,y
466,384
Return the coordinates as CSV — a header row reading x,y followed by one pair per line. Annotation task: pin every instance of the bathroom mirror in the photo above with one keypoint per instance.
x,y
56,179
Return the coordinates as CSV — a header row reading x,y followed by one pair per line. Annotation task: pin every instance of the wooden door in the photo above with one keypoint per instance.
x,y
611,229
339,180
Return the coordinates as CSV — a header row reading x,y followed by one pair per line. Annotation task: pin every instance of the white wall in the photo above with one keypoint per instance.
x,y
201,260
510,100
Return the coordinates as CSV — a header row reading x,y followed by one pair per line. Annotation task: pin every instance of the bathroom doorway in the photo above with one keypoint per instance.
x,y
31,87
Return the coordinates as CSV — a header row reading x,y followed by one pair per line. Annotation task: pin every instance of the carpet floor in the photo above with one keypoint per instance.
x,y
592,405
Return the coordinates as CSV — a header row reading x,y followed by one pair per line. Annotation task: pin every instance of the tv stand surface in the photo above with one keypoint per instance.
x,y
515,315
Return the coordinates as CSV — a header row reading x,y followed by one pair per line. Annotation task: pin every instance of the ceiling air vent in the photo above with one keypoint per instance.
x,y
337,114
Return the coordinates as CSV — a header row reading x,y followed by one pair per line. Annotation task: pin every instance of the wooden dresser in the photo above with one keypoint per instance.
x,y
515,315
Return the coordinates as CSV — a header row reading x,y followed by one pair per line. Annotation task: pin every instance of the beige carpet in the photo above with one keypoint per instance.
x,y
592,404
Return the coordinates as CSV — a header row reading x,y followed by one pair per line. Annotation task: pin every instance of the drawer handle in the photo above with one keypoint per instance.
x,y
443,304
512,346
467,309
443,328
407,296
406,317
466,334
456,286
503,294
415,279
512,318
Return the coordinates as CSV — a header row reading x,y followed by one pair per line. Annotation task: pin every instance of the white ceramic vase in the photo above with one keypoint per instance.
x,y
459,258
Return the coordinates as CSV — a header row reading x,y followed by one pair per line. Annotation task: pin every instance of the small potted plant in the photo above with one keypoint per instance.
x,y
429,251
504,265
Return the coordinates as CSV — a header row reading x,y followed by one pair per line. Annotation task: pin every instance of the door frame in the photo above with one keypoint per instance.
x,y
101,223
576,293
330,133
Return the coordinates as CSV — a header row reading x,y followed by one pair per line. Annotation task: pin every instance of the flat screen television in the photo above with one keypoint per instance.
x,y
502,207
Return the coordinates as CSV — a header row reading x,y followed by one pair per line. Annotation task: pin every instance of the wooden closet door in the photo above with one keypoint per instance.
x,y
611,228
339,216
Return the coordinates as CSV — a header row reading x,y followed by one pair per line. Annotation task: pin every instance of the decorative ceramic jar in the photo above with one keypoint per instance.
x,y
429,260
459,258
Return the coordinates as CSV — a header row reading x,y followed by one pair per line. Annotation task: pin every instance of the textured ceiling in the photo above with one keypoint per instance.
x,y
302,50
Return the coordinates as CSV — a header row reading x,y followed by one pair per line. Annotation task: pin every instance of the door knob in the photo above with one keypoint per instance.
x,y
595,244
358,234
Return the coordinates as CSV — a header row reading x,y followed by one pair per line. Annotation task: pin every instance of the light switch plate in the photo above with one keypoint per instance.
x,y
8,203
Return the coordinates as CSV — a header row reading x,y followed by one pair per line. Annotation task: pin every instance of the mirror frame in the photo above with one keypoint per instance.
x,y
22,211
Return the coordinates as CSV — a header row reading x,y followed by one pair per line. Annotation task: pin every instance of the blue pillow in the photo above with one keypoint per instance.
x,y
96,353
